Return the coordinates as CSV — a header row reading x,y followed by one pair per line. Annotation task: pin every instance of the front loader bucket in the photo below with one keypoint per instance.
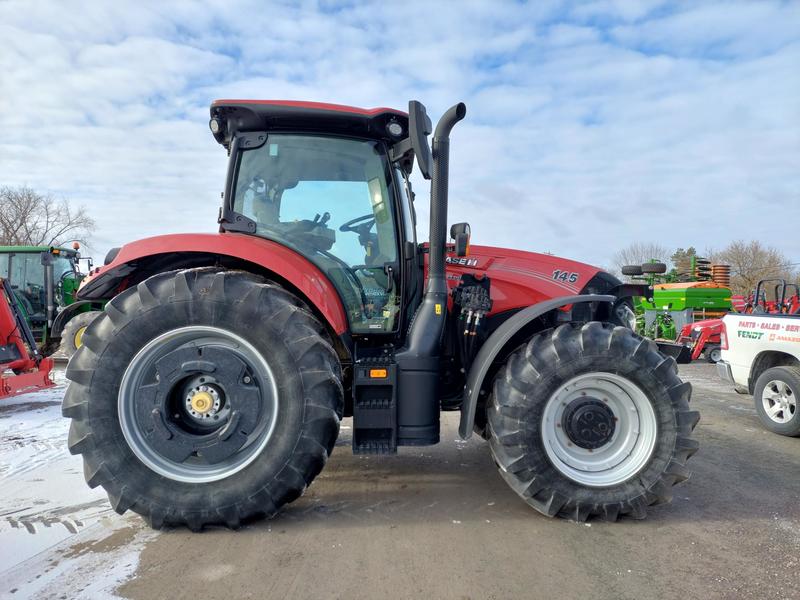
x,y
682,354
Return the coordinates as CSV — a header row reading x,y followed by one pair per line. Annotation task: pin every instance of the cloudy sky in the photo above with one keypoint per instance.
x,y
590,125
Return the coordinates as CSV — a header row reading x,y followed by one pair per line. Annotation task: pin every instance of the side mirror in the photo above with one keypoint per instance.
x,y
461,233
415,145
419,128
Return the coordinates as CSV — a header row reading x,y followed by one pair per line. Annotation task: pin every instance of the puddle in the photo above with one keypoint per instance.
x,y
17,545
91,564
45,499
58,537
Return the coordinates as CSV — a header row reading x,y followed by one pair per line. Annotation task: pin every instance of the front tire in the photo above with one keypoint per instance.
x,y
203,397
591,420
72,335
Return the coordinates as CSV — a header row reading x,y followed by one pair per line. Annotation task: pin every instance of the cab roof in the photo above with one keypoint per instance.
x,y
32,249
291,115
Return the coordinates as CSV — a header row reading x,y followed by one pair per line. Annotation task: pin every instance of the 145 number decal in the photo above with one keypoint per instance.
x,y
566,276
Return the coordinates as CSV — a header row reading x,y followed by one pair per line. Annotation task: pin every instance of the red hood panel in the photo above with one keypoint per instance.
x,y
519,278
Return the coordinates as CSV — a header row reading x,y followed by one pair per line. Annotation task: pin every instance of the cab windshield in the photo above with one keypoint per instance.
x,y
26,276
329,199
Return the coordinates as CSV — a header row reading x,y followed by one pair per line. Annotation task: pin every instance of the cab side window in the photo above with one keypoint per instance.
x,y
328,198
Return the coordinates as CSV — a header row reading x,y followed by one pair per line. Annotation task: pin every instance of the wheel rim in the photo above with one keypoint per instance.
x,y
779,401
79,337
716,354
197,404
599,429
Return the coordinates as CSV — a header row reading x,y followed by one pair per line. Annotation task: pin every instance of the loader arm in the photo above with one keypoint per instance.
x,y
18,351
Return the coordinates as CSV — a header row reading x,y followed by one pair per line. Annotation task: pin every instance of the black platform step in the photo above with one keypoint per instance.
x,y
375,406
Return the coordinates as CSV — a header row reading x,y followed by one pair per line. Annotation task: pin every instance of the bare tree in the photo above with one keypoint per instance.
x,y
640,252
752,261
28,218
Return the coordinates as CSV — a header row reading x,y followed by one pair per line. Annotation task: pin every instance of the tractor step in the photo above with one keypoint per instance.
x,y
375,406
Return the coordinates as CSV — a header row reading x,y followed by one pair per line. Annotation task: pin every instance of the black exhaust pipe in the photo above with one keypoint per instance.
x,y
426,330
418,361
439,189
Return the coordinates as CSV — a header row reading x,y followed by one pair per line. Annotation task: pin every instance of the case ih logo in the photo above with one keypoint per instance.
x,y
462,262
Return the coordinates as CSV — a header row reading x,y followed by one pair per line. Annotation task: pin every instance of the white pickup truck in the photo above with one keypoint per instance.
x,y
761,356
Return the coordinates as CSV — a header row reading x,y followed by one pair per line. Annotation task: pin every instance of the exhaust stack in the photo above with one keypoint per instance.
x,y
426,330
418,361
439,189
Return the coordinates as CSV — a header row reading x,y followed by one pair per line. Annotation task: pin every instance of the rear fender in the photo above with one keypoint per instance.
x,y
499,341
141,259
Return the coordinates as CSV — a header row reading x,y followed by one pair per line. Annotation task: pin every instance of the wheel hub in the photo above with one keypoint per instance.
x,y
778,401
599,429
203,402
197,404
589,423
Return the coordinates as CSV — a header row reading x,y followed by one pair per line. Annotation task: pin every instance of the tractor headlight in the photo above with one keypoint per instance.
x,y
394,129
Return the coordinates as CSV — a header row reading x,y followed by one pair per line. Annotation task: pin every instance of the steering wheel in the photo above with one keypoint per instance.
x,y
365,270
360,224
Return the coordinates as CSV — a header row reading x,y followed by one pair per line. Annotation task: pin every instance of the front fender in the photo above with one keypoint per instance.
x,y
66,314
495,344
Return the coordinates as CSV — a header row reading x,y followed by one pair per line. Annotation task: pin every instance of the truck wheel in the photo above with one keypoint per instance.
x,y
203,397
713,354
591,420
72,335
776,397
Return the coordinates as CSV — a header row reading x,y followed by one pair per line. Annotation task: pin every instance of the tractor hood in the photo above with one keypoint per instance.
x,y
519,278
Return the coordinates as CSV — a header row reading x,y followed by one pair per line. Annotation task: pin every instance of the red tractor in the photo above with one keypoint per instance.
x,y
703,337
212,388
785,299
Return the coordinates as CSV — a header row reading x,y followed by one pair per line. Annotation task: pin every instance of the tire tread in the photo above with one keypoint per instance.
x,y
528,473
319,372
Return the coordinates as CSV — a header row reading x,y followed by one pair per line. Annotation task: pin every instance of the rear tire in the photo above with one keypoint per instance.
x,y
135,437
777,400
553,461
72,335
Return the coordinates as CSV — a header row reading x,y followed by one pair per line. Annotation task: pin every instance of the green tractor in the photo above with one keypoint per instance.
x,y
44,280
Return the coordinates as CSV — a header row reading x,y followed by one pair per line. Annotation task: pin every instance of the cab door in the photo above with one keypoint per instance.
x,y
331,200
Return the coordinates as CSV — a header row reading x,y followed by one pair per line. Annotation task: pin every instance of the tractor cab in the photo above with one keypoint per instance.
x,y
324,180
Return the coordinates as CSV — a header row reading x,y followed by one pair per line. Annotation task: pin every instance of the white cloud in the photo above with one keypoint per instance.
x,y
589,126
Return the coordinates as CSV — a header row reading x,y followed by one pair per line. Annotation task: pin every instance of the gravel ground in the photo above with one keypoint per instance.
x,y
433,522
